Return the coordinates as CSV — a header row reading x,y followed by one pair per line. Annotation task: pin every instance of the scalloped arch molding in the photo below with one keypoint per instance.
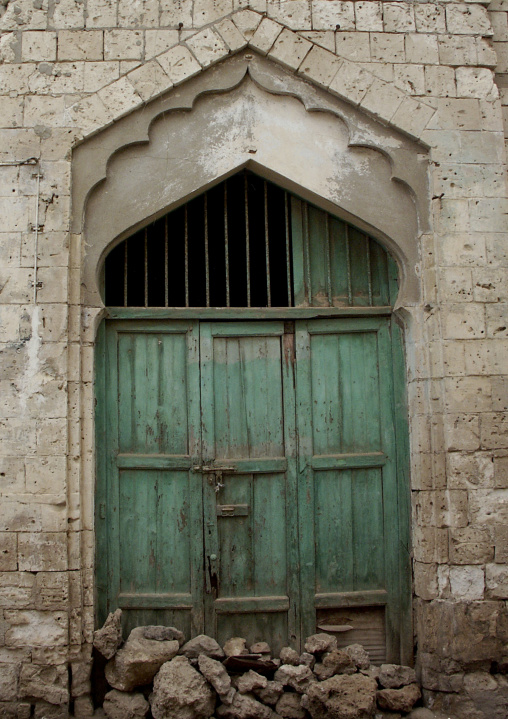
x,y
249,111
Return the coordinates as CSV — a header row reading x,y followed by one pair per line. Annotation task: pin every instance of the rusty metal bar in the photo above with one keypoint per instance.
x,y
369,270
267,248
207,258
306,249
288,247
166,259
226,242
186,241
146,267
247,238
348,261
125,271
328,261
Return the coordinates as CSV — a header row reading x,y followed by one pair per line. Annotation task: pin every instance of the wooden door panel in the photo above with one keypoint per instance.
x,y
248,413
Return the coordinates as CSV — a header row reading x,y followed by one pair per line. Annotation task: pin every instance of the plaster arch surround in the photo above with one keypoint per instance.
x,y
249,112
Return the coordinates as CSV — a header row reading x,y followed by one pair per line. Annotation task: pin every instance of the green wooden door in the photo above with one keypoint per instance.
x,y
254,481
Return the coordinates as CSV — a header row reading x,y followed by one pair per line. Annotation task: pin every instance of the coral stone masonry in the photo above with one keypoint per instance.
x,y
391,117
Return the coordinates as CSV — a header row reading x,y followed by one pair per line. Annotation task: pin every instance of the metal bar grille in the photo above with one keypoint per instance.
x,y
233,246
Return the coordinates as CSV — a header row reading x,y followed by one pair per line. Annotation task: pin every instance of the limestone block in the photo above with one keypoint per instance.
x,y
425,580
42,551
467,582
67,14
440,81
496,581
173,13
8,551
341,695
158,41
125,705
494,430
38,45
353,46
205,12
290,49
294,14
410,78
471,545
500,465
247,22
9,676
456,50
399,17
399,699
35,628
137,662
332,15
382,99
351,82
299,678
475,82
462,391
149,80
467,19
430,544
119,97
412,116
45,710
207,46
231,35
290,706
101,13
320,66
244,706
387,47
430,17
422,49
84,708
17,589
43,682
215,674
52,590
179,64
368,16
265,36
49,655
80,45
144,13
123,45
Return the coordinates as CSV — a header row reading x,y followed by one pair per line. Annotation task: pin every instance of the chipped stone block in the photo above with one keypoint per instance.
x,y
290,49
265,36
149,80
467,19
247,22
294,14
207,46
35,628
39,45
399,17
231,35
49,683
42,551
320,66
179,64
333,15
368,16
8,551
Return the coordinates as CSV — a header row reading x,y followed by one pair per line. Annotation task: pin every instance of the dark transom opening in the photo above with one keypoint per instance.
x,y
248,243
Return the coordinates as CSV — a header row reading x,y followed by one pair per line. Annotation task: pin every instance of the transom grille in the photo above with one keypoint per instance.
x,y
248,243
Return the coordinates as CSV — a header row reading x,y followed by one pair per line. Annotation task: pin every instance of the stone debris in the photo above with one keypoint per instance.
x,y
181,692
137,662
125,705
260,648
196,681
107,639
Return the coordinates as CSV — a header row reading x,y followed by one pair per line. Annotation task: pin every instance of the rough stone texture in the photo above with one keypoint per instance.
x,y
289,656
308,659
202,645
335,662
180,692
298,678
251,681
235,647
342,697
392,676
107,639
320,643
137,662
358,655
399,699
290,706
260,648
244,706
125,705
160,634
215,674
270,693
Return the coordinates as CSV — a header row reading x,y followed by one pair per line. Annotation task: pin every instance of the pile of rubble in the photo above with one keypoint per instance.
x,y
157,671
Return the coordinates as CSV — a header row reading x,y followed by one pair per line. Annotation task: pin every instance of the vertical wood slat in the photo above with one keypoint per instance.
x,y
125,271
186,241
207,259
288,248
247,237
267,247
166,260
328,261
348,259
226,244
306,249
369,271
146,266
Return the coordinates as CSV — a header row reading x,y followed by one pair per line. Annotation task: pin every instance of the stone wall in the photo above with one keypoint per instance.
x,y
69,69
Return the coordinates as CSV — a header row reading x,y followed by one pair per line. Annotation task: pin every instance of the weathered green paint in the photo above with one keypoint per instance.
x,y
312,514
